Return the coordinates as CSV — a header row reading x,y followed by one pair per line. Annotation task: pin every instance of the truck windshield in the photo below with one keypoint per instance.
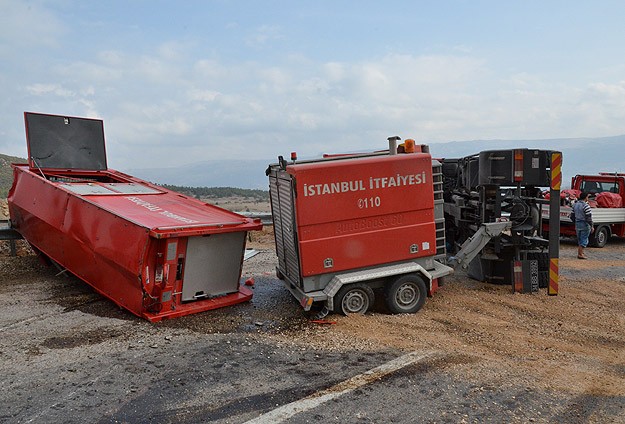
x,y
599,186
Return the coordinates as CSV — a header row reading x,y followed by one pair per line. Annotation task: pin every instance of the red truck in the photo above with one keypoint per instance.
x,y
608,217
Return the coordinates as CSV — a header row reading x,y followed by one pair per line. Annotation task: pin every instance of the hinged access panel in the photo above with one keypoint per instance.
x,y
65,142
213,265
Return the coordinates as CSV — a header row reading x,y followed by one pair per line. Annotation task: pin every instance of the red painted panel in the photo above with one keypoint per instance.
x,y
350,190
367,248
110,241
364,212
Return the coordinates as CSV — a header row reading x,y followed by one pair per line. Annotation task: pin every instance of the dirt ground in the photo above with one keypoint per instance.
x,y
568,348
573,342
4,209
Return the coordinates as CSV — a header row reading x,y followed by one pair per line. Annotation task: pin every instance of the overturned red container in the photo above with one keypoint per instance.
x,y
155,252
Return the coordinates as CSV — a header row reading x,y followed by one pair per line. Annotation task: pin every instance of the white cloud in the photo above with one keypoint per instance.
x,y
263,35
334,71
207,96
173,51
27,24
613,92
611,99
49,89
102,73
172,108
461,48
111,58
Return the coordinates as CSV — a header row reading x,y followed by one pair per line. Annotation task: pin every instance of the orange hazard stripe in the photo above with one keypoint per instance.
x,y
556,170
554,276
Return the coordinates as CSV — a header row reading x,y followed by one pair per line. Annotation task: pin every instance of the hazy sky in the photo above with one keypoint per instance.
x,y
185,81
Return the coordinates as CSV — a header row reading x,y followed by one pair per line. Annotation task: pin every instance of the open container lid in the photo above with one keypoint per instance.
x,y
65,142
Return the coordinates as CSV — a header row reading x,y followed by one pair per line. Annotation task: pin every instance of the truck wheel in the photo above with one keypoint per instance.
x,y
600,237
354,299
406,294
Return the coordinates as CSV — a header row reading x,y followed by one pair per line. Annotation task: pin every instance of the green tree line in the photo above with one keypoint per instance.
x,y
220,192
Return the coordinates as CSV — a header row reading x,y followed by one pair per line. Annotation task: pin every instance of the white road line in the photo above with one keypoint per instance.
x,y
289,410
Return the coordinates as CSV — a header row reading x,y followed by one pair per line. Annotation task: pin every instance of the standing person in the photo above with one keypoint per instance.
x,y
583,223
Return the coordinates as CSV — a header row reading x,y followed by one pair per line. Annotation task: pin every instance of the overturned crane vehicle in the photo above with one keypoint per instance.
x,y
493,207
348,226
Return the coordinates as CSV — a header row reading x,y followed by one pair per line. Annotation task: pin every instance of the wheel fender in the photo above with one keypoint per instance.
x,y
381,272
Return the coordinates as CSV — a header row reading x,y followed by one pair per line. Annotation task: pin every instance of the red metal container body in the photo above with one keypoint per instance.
x,y
153,251
353,214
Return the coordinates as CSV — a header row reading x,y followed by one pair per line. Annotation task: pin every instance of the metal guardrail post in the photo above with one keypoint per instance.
x,y
9,234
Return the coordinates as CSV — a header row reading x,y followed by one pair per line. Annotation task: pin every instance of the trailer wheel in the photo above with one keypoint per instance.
x,y
600,237
406,295
354,299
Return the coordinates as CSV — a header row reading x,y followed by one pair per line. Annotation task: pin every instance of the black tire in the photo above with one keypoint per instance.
x,y
406,295
599,238
319,313
354,299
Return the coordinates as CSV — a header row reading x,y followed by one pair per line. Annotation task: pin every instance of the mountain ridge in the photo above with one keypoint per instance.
x,y
581,155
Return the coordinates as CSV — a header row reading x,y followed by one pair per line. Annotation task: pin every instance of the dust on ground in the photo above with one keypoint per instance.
x,y
262,240
572,345
4,209
573,342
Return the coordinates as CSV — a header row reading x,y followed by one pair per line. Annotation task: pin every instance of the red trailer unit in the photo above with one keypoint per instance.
x,y
155,252
347,225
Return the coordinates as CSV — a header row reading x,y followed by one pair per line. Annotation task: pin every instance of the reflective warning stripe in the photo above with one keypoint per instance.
x,y
556,170
554,275
518,277
518,165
